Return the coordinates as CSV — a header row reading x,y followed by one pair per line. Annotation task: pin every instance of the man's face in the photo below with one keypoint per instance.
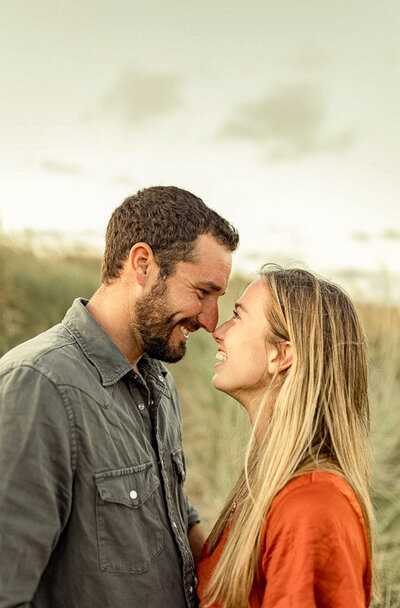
x,y
173,308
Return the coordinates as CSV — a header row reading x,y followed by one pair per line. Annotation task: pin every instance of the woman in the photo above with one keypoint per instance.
x,y
297,529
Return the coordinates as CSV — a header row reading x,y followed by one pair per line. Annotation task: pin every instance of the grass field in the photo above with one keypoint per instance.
x,y
35,293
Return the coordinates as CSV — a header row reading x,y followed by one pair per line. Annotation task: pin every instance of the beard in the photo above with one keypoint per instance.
x,y
155,323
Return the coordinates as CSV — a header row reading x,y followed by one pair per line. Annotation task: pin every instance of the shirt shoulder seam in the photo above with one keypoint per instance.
x,y
64,400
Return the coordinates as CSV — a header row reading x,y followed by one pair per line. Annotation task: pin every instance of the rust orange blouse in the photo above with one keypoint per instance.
x,y
314,550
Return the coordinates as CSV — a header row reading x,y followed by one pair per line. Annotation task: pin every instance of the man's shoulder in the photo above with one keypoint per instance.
x,y
49,353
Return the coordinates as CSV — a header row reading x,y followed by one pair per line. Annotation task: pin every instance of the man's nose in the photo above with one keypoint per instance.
x,y
208,316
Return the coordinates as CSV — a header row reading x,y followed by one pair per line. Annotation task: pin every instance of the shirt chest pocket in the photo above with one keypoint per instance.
x,y
129,533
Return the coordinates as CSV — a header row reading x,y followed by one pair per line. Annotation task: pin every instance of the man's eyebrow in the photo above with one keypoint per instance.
x,y
239,305
211,285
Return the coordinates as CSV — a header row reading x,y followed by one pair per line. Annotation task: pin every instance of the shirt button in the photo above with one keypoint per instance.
x,y
141,406
161,378
133,494
191,589
174,525
196,582
151,402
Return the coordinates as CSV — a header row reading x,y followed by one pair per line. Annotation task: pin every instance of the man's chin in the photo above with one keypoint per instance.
x,y
175,355
173,358
168,355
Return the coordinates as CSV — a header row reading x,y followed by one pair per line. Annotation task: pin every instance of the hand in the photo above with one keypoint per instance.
x,y
197,538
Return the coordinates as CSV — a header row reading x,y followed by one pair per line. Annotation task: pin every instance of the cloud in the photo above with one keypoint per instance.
x,y
139,96
57,166
291,119
309,59
390,234
126,181
361,237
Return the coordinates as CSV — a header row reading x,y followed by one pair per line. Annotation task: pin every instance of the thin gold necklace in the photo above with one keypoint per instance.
x,y
236,501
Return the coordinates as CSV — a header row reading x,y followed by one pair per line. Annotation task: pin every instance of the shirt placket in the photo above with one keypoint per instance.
x,y
180,535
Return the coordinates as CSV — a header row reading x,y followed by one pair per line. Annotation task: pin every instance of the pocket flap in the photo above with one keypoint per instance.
x,y
178,459
131,486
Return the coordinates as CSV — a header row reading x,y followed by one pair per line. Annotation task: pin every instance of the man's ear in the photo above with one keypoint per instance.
x,y
142,263
280,357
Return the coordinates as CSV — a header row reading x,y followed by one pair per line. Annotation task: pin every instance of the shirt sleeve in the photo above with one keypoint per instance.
x,y
315,552
193,516
35,482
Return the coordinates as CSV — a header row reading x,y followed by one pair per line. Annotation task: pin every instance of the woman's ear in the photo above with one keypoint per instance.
x,y
280,357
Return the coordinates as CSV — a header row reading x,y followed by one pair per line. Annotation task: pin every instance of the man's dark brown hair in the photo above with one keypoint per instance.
x,y
169,220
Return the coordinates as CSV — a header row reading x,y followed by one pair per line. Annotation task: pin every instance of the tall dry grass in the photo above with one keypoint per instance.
x,y
37,290
383,330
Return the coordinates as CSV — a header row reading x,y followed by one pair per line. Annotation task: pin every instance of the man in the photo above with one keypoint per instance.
x,y
92,506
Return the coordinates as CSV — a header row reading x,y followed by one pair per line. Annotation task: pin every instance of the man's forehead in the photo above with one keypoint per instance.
x,y
210,267
214,271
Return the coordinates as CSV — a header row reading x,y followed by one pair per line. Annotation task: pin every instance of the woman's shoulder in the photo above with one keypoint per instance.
x,y
314,543
319,501
324,486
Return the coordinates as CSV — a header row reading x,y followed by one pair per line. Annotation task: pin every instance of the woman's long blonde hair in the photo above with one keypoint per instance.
x,y
318,419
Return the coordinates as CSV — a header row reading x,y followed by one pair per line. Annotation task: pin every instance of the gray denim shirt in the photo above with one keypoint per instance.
x,y
93,511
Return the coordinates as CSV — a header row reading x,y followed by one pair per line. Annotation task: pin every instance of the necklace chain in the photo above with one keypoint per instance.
x,y
236,501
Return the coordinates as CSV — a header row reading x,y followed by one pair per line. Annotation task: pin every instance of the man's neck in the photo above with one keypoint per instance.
x,y
110,307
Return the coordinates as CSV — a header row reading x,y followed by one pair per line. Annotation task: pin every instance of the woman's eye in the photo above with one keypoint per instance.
x,y
235,314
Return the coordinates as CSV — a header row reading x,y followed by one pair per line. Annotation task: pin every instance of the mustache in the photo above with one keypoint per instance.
x,y
190,324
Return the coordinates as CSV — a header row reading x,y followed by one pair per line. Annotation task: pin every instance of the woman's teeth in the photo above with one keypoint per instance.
x,y
220,356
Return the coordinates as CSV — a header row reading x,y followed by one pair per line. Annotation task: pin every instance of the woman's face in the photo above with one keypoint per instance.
x,y
241,370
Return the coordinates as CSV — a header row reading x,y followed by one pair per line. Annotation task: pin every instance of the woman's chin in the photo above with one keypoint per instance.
x,y
219,385
214,382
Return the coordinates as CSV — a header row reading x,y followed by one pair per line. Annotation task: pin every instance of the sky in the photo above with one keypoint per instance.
x,y
282,115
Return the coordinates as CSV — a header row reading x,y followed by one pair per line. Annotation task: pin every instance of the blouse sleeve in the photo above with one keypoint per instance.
x,y
314,551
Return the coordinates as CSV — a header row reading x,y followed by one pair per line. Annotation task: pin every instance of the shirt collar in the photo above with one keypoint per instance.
x,y
98,347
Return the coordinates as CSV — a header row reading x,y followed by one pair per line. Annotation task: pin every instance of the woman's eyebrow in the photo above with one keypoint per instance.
x,y
239,305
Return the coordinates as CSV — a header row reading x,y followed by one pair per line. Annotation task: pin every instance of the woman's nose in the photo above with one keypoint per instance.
x,y
215,335
218,333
